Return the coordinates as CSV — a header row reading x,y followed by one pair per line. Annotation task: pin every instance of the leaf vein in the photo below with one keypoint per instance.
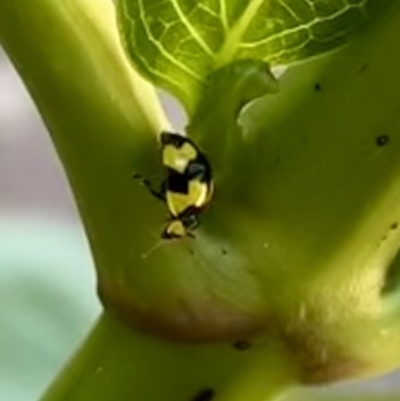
x,y
161,48
144,61
308,27
190,28
289,10
288,51
237,31
223,14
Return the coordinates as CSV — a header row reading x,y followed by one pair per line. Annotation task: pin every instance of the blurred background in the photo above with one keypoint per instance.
x,y
47,283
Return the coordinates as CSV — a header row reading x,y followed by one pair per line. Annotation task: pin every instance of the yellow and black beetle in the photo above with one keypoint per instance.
x,y
187,187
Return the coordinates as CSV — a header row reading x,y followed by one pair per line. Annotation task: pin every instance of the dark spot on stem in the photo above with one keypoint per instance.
x,y
318,87
382,140
363,68
394,225
392,279
277,160
241,345
204,395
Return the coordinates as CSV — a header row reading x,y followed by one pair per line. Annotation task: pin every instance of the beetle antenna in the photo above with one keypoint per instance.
x,y
157,245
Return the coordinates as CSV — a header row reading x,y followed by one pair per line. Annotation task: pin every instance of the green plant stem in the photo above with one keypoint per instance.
x,y
325,396
118,364
99,112
101,116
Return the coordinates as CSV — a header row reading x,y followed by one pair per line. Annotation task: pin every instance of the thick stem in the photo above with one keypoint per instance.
x,y
357,396
118,364
101,115
321,235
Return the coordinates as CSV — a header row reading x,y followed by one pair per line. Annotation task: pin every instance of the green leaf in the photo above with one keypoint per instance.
x,y
178,43
229,89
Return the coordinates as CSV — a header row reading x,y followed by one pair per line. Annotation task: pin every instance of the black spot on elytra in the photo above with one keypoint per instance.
x,y
318,87
277,160
224,251
204,395
394,225
241,345
382,140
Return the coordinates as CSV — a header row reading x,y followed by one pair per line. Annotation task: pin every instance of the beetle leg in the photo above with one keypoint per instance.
x,y
159,193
